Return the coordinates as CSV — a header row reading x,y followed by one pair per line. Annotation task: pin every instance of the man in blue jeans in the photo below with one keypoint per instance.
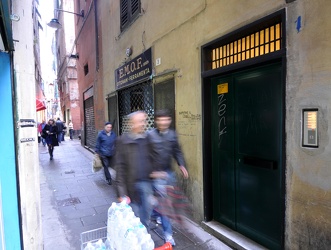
x,y
165,147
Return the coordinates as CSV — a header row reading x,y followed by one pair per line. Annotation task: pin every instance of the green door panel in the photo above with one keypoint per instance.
x,y
247,153
258,154
223,150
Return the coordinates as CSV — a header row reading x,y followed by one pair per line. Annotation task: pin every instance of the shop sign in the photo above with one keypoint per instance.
x,y
138,69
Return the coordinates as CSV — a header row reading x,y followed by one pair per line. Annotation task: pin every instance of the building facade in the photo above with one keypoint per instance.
x,y
248,85
88,71
67,67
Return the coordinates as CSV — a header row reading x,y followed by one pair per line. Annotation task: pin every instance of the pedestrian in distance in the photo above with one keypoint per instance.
x,y
64,131
51,132
60,126
165,148
133,165
42,125
105,147
71,129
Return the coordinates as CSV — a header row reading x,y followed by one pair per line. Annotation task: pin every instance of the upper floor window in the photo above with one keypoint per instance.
x,y
130,9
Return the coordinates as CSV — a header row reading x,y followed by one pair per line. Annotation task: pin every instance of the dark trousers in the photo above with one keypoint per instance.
x,y
106,160
71,133
50,150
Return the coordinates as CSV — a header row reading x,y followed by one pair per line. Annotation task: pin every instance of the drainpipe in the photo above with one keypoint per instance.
x,y
96,35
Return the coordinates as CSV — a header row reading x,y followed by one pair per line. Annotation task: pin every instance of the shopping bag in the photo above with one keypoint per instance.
x,y
96,164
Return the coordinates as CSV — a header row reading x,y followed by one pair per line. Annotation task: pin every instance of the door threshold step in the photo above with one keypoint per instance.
x,y
230,237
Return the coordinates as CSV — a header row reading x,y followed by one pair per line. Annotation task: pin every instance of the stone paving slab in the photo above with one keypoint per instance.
x,y
69,177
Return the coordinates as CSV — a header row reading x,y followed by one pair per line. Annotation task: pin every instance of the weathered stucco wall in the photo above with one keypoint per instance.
x,y
308,197
176,30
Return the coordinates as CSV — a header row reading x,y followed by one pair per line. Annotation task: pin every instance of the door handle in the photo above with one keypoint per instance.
x,y
260,163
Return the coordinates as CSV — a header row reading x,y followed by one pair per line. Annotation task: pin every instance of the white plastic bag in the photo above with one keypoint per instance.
x,y
96,164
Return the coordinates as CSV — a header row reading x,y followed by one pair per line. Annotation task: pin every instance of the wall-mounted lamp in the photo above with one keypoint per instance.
x,y
54,23
128,51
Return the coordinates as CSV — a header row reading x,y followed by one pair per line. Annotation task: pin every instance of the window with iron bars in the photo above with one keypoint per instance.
x,y
262,42
137,98
130,10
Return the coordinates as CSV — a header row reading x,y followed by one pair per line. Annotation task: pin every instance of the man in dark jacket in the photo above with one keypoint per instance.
x,y
60,126
165,148
133,164
105,148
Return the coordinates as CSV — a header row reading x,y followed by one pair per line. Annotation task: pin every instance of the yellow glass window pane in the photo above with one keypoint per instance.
x,y
262,50
272,33
252,41
262,37
272,46
267,35
278,31
278,45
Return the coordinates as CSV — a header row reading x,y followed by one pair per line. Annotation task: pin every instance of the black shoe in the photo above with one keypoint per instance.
x,y
51,158
109,182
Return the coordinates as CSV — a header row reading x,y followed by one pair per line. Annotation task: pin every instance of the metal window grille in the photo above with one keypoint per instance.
x,y
138,97
262,42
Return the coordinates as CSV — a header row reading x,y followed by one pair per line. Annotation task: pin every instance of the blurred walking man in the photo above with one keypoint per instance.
x,y
165,147
133,164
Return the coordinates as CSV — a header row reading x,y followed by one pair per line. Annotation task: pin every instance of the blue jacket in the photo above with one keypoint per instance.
x,y
105,145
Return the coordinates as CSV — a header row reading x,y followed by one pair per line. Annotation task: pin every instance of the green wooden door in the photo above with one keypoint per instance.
x,y
247,153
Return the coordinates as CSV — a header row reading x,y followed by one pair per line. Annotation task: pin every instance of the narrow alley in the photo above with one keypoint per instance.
x,y
76,200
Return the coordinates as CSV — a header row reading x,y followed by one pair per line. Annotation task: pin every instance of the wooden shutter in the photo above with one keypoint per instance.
x,y
124,13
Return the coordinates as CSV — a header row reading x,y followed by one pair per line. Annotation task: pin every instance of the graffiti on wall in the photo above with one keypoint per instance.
x,y
187,123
